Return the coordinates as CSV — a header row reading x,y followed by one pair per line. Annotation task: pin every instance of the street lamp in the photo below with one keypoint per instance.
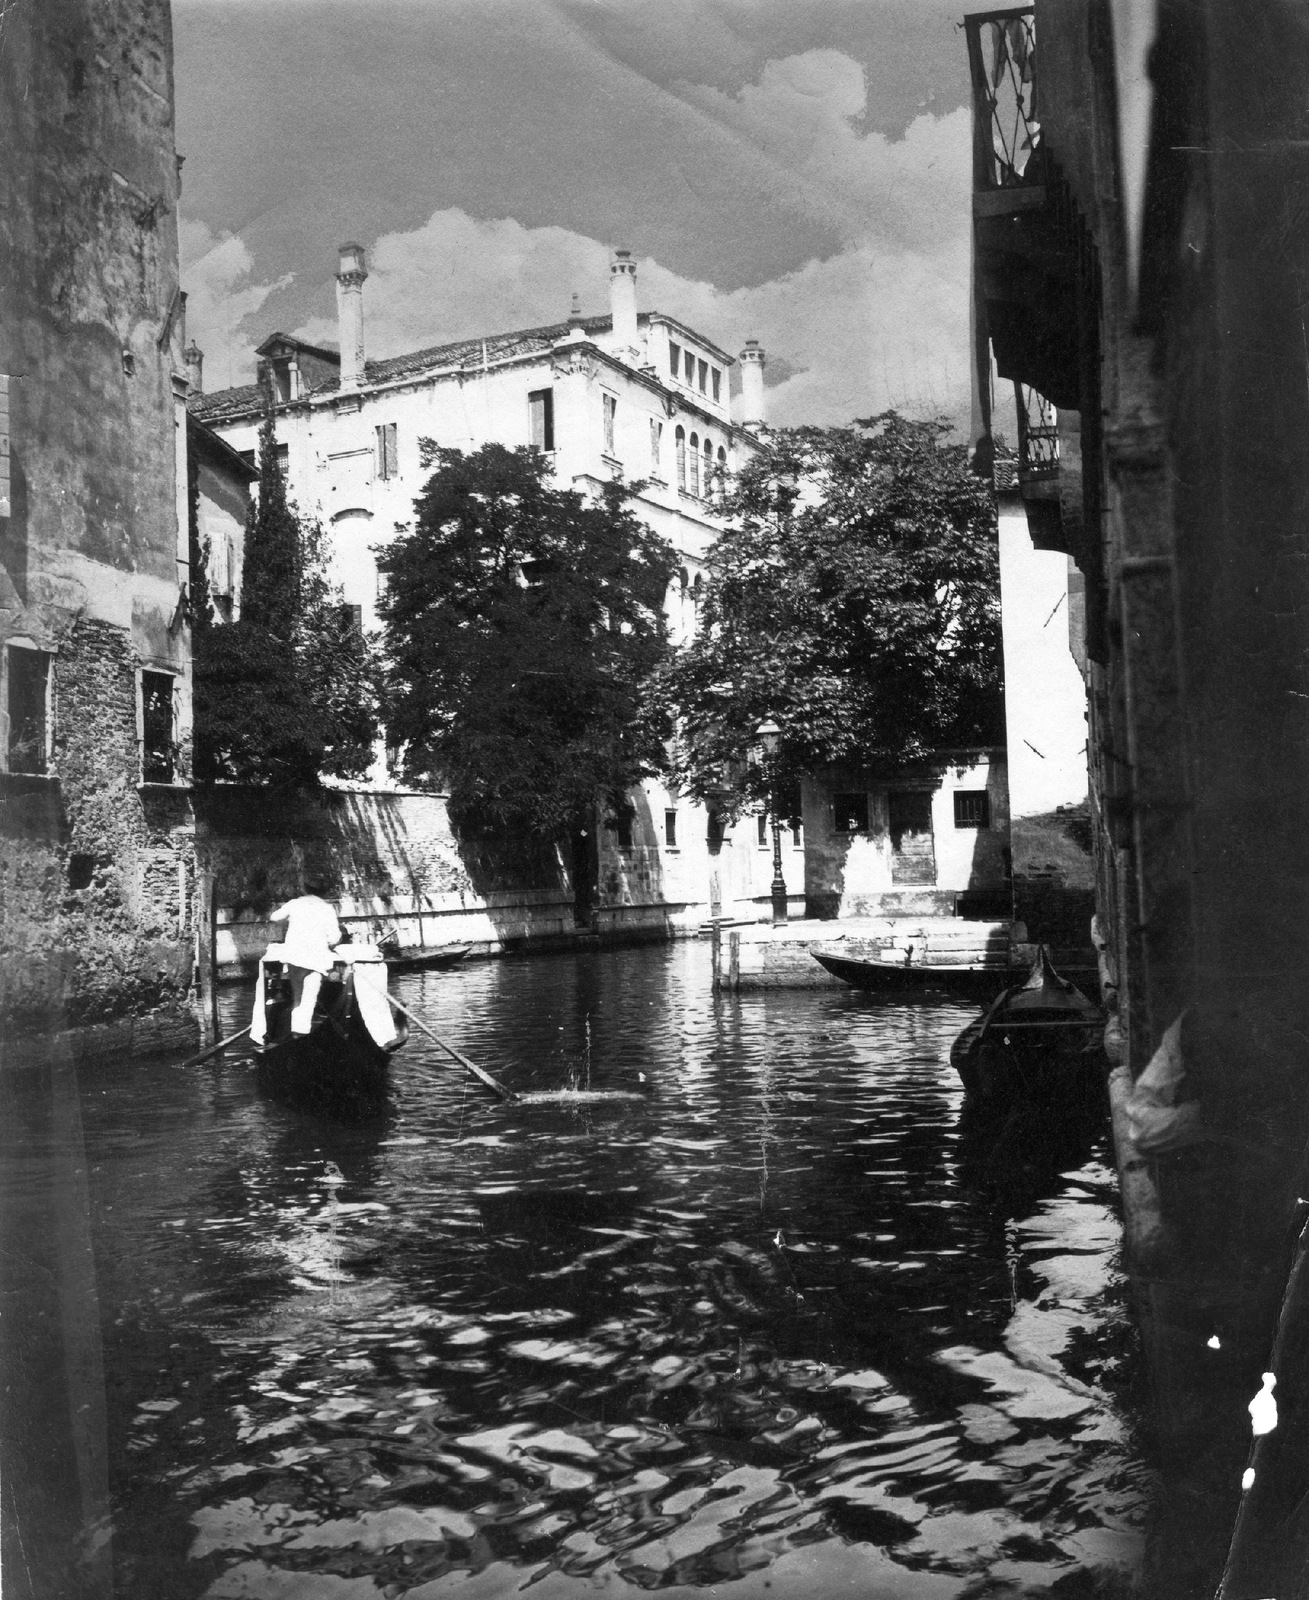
x,y
769,736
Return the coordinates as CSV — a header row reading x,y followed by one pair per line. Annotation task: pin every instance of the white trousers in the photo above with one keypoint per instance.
x,y
305,985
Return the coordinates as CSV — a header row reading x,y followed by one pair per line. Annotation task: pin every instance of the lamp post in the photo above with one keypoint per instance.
x,y
769,736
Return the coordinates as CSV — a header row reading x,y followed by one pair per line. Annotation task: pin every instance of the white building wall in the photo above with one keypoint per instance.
x,y
1045,698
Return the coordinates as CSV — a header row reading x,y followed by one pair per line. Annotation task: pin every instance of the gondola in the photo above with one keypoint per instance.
x,y
1039,1042
342,1061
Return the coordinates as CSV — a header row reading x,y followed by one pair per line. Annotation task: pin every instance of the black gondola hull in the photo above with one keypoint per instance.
x,y
337,1065
1039,1043
889,978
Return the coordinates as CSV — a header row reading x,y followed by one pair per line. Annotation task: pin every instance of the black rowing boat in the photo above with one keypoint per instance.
x,y
342,1061
976,980
1040,1041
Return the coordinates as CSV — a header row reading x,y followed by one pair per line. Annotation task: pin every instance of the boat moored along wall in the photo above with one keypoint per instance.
x,y
1141,248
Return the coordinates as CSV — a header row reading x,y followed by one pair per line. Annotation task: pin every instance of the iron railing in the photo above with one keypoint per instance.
x,y
1006,132
1038,434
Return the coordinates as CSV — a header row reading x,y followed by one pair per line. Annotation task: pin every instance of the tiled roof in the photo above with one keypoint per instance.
x,y
227,403
247,399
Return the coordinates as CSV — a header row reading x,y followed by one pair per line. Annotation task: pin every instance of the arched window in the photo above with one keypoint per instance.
x,y
722,474
680,439
709,489
695,464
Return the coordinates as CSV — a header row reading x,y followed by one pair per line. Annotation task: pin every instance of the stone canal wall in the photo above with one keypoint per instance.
x,y
392,865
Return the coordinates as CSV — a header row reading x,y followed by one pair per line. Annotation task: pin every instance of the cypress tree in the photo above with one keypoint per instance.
x,y
271,574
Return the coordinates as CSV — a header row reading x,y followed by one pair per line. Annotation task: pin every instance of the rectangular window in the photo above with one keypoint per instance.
x,y
762,820
972,808
656,446
797,833
622,826
717,379
157,727
541,404
352,617
29,698
703,382
850,813
611,408
670,829
689,366
386,452
674,358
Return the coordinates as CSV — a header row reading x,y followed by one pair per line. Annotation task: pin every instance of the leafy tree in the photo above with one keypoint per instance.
x,y
288,691
855,600
523,624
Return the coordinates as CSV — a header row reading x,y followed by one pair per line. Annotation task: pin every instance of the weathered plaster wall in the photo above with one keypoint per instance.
x,y
849,874
1044,695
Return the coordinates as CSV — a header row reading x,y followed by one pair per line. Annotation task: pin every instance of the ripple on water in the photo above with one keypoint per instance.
x,y
771,1320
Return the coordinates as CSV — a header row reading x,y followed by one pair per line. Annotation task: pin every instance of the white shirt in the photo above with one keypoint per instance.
x,y
311,931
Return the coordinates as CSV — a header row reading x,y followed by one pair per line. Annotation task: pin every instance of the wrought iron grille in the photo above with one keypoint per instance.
x,y
1038,433
1002,55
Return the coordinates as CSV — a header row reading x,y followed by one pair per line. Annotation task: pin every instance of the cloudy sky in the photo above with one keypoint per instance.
x,y
789,170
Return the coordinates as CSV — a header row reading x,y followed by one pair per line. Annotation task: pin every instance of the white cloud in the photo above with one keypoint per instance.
x,y
217,274
883,321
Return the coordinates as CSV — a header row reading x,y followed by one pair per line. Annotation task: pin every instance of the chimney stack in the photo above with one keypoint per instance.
x,y
350,314
622,299
752,384
195,366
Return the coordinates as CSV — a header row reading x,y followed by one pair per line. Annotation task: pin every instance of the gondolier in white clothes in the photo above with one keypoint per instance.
x,y
312,932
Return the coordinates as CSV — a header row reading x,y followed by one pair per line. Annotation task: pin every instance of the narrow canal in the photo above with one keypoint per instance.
x,y
772,1328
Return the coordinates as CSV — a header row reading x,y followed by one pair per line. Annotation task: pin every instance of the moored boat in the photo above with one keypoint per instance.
x,y
900,977
1039,1041
343,1058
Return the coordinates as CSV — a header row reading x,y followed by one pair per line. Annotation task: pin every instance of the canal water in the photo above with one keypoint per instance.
x,y
778,1324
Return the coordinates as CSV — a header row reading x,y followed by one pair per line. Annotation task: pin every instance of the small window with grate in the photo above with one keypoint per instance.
x,y
29,720
972,808
157,764
850,813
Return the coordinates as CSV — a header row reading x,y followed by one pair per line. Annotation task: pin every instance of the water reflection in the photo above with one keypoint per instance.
x,y
776,1321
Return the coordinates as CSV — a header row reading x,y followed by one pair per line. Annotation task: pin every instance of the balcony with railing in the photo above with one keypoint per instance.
x,y
1006,133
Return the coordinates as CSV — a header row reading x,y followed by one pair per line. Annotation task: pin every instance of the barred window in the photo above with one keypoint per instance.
x,y
972,808
28,705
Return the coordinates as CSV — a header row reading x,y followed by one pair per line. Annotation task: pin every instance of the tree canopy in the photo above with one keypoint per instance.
x,y
854,599
288,691
523,625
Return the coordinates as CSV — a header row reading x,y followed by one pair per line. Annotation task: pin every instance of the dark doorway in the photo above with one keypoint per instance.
x,y
913,855
584,877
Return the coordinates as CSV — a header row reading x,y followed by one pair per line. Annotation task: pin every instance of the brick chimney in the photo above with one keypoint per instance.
x,y
622,299
752,384
195,366
350,314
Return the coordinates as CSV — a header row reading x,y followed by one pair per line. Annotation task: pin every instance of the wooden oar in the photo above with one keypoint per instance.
x,y
194,1061
479,1073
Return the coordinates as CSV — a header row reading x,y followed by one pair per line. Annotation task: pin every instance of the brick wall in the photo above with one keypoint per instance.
x,y
98,873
